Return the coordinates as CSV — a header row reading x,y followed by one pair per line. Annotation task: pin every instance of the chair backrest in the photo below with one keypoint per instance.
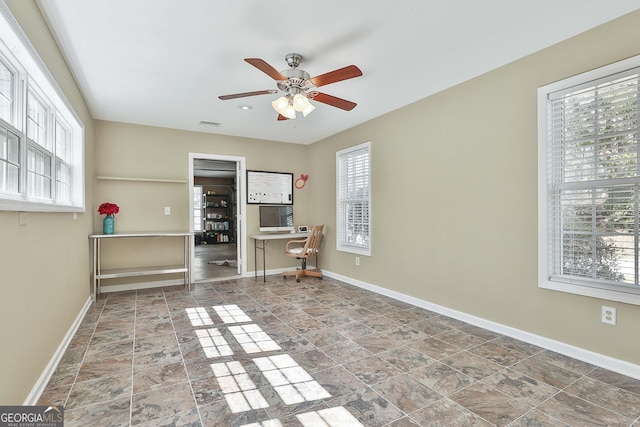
x,y
314,239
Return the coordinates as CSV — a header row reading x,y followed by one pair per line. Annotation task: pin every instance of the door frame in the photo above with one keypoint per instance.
x,y
241,204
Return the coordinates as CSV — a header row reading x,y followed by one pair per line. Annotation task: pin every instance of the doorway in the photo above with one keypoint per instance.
x,y
217,203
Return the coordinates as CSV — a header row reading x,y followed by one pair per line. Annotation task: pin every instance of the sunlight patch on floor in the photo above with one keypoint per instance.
x,y
213,343
338,416
198,316
253,339
292,383
231,313
238,389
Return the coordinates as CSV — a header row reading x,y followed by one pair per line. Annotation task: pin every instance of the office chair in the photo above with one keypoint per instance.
x,y
303,250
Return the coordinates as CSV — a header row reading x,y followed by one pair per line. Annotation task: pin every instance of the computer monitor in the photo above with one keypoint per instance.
x,y
276,218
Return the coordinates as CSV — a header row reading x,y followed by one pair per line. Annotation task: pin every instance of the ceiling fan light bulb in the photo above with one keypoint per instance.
x,y
289,112
300,102
280,105
309,109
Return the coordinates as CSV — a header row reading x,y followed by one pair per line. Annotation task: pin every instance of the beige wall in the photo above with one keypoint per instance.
x,y
132,151
44,265
455,199
454,206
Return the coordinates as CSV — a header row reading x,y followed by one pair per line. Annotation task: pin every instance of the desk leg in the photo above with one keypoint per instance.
x,y
264,259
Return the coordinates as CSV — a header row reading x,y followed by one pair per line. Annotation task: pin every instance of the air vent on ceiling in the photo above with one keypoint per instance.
x,y
205,122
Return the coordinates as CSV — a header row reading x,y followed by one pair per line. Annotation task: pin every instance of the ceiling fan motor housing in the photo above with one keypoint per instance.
x,y
296,79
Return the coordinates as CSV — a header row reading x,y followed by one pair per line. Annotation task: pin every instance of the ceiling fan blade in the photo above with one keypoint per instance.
x,y
334,101
345,73
261,65
245,94
281,117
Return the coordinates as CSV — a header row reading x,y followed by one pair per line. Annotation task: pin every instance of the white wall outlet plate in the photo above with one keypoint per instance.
x,y
609,315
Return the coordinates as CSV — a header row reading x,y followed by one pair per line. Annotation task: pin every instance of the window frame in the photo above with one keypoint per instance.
x,y
546,230
32,78
198,219
341,221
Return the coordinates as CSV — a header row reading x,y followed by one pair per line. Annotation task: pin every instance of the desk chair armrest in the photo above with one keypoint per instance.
x,y
294,243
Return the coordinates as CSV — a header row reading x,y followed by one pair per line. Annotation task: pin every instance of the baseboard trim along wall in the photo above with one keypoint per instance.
x,y
38,388
606,362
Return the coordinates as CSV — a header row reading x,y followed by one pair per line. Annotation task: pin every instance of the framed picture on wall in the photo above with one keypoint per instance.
x,y
269,188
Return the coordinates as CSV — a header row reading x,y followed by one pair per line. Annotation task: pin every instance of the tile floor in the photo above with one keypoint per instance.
x,y
316,353
204,267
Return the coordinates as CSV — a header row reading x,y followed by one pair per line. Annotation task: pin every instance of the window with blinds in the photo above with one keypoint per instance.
x,y
353,219
592,183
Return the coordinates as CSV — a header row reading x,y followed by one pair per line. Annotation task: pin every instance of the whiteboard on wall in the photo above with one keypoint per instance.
x,y
269,188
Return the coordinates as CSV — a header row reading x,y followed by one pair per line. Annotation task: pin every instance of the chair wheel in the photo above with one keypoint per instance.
x,y
298,280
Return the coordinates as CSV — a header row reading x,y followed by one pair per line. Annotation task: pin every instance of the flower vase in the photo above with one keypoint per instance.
x,y
108,224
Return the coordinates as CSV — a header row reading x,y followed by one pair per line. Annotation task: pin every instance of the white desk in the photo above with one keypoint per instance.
x,y
98,273
264,238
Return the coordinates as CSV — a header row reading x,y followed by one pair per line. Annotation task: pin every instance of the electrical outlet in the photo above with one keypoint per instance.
x,y
608,315
358,260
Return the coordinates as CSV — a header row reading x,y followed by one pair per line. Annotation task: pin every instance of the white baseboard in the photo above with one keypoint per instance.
x,y
38,388
606,362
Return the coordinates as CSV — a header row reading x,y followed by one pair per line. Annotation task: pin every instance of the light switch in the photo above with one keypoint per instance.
x,y
167,210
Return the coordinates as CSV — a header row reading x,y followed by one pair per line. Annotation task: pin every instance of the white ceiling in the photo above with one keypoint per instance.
x,y
165,62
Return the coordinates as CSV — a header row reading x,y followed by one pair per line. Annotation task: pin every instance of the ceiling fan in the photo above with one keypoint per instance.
x,y
299,88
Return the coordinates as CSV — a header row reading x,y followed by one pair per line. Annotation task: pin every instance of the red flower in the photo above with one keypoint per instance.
x,y
108,209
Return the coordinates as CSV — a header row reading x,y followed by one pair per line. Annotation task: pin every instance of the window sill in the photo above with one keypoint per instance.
x,y
604,294
34,206
355,251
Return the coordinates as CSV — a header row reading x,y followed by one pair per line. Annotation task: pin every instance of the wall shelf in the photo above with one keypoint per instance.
x,y
123,178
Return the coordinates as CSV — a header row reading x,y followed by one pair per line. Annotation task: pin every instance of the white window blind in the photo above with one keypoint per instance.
x,y
593,184
354,199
